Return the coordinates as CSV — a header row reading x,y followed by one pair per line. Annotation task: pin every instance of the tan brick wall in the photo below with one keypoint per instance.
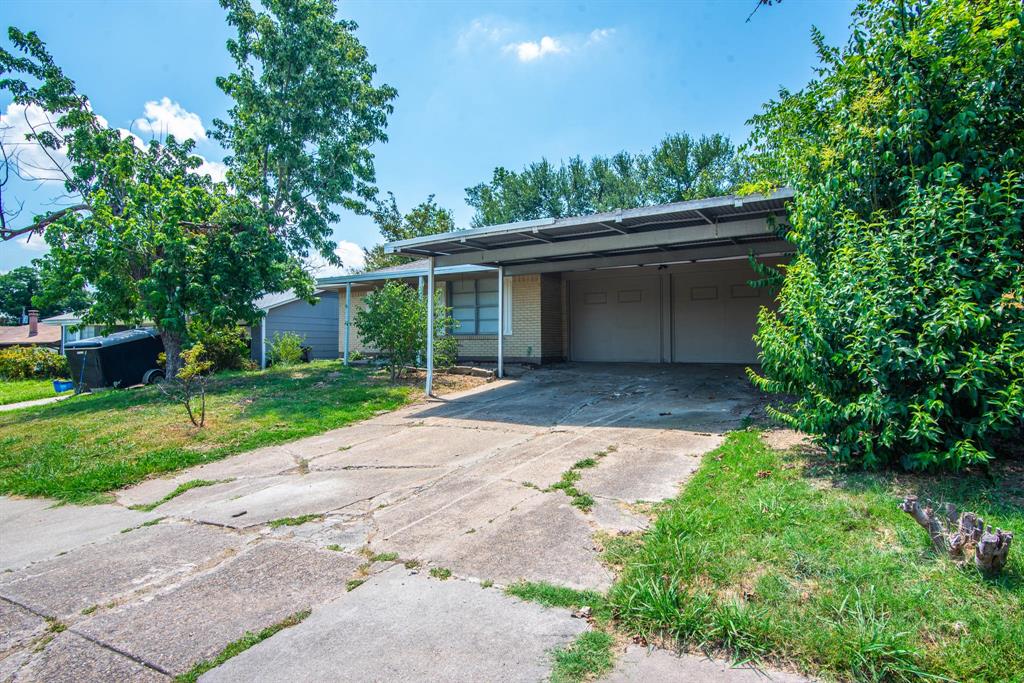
x,y
551,317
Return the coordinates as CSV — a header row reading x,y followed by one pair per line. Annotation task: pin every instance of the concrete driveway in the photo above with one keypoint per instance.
x,y
105,593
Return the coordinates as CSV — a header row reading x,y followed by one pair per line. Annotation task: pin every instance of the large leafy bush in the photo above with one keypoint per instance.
x,y
30,362
900,327
227,347
393,321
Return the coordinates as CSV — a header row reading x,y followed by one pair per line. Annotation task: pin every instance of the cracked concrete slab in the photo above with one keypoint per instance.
x,y
70,658
640,665
246,503
35,529
402,627
18,626
114,569
634,473
421,446
197,618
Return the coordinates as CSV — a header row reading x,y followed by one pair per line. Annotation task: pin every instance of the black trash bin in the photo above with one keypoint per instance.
x,y
122,359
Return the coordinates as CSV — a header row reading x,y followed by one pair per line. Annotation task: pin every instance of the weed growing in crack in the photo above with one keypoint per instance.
x,y
239,646
384,557
412,564
335,547
441,573
293,521
149,523
486,583
89,610
353,584
187,486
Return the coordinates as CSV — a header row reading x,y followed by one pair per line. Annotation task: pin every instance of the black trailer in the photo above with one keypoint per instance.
x,y
122,359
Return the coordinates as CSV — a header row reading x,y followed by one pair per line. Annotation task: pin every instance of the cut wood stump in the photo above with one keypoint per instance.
x,y
961,536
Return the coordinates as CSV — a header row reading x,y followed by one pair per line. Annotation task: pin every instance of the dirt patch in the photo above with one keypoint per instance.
x,y
444,383
785,439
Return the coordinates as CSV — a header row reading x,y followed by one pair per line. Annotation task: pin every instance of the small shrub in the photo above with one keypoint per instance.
x,y
286,348
188,387
32,362
226,347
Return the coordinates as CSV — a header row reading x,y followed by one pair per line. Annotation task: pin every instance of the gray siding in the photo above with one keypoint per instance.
x,y
317,323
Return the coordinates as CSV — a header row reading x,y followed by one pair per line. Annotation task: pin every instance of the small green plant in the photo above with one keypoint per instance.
x,y
567,484
55,626
550,595
585,463
441,573
412,564
90,609
286,348
294,521
239,646
152,522
587,658
353,584
486,583
189,386
384,557
335,547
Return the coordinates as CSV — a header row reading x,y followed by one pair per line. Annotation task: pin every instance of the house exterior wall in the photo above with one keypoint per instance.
x,y
317,323
536,311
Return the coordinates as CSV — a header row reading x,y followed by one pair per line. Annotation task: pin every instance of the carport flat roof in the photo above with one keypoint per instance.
x,y
730,220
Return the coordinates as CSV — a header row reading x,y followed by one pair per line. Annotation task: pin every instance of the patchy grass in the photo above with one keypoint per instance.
x,y
78,450
550,595
586,658
239,646
18,390
182,488
441,573
580,499
384,557
294,521
773,556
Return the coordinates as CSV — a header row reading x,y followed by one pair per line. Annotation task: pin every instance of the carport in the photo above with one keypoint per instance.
x,y
666,283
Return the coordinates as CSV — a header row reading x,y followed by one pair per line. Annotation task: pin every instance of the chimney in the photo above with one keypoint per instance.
x,y
33,323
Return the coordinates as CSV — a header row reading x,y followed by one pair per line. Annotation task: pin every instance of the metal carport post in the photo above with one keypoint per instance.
x,y
501,321
430,326
348,316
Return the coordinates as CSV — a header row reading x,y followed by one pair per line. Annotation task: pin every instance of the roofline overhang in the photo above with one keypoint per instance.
x,y
400,275
421,246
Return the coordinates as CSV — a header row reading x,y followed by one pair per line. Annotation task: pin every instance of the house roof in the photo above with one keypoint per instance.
x,y
18,336
275,299
405,270
702,222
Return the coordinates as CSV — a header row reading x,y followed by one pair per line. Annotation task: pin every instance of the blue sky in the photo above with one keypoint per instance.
x,y
480,84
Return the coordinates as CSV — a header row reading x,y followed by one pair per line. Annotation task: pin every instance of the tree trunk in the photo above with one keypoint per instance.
x,y
172,350
958,534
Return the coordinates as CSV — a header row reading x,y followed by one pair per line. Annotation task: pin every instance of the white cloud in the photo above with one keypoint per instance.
x,y
170,118
30,161
529,51
215,169
599,34
351,255
485,30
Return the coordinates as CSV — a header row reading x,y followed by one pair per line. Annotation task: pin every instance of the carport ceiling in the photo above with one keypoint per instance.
x,y
710,222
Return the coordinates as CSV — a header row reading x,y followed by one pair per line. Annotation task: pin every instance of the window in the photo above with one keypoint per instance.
x,y
474,305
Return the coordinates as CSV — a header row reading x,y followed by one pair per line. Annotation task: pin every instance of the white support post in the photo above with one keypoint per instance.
x,y
430,326
501,321
263,341
348,316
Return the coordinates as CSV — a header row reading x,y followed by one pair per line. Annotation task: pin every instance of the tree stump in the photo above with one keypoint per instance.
x,y
961,535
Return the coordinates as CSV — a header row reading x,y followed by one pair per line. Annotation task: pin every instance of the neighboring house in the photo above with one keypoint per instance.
x,y
31,334
657,284
283,312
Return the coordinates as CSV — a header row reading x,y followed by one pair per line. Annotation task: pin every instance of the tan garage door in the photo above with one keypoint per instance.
x,y
714,316
616,319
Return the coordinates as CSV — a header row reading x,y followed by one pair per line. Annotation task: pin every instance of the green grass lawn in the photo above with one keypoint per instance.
x,y
15,391
78,450
780,557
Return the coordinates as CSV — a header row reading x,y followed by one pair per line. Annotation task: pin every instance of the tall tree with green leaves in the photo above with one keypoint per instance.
x,y
426,218
305,113
680,167
159,243
900,326
20,289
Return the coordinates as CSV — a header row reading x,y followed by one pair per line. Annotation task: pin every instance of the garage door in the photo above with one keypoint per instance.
x,y
616,319
714,317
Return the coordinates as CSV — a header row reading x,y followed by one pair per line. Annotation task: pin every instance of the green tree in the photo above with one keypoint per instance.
x,y
900,327
305,112
678,168
427,218
393,321
20,289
